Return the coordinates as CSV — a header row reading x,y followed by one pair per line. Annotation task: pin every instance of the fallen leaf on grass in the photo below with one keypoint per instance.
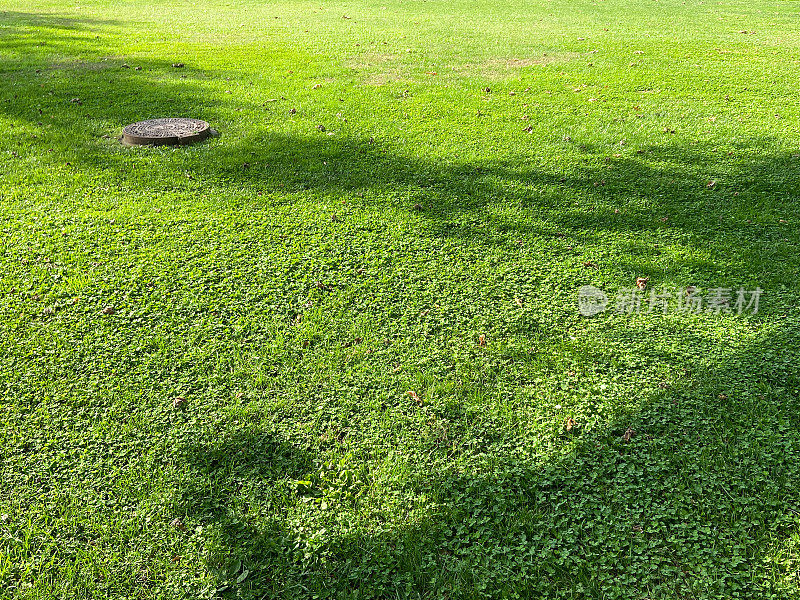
x,y
178,524
482,340
415,397
322,286
569,424
641,282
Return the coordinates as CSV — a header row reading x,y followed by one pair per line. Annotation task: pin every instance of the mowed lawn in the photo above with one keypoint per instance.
x,y
336,352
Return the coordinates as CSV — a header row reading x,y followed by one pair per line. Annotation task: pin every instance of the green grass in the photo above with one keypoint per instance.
x,y
293,284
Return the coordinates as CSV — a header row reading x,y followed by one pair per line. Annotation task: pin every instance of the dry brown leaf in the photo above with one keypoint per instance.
x,y
641,282
415,397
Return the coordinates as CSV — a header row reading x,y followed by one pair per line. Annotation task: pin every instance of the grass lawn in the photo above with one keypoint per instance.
x,y
336,352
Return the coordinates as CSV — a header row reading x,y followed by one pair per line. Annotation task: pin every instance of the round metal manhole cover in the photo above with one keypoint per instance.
x,y
163,132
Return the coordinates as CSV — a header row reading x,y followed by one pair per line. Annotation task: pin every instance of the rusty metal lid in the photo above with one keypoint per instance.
x,y
163,132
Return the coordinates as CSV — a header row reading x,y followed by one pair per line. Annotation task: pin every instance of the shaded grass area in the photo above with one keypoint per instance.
x,y
291,286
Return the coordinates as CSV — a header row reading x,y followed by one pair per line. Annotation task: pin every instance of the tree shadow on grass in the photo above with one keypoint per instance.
x,y
695,494
228,486
727,201
667,200
28,38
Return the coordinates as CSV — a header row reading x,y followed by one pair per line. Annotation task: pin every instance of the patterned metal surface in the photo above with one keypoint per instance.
x,y
159,132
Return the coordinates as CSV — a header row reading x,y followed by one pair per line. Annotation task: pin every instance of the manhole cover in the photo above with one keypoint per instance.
x,y
162,132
